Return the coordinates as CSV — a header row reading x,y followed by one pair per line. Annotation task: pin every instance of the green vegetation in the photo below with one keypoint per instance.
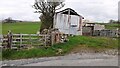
x,y
110,25
74,42
33,27
24,27
89,42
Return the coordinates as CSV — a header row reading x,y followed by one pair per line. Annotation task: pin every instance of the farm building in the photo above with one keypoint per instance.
x,y
89,28
68,21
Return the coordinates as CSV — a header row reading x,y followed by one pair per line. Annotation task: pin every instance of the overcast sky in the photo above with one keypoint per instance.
x,y
93,10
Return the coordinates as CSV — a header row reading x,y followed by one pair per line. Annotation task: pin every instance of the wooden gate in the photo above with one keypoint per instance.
x,y
20,41
23,41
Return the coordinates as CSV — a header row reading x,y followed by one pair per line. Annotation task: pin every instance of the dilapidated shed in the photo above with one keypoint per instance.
x,y
89,28
68,22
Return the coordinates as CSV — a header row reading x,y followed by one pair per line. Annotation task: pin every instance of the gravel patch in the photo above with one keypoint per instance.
x,y
76,56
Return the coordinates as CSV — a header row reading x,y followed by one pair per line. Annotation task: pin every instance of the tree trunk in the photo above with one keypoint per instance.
x,y
47,22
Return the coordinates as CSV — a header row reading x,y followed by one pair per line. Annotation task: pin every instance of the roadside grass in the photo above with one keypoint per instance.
x,y
89,42
21,27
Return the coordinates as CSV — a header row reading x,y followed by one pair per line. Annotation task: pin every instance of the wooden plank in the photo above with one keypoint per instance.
x,y
14,45
4,39
29,34
14,48
17,38
18,44
20,40
45,41
14,41
23,38
34,34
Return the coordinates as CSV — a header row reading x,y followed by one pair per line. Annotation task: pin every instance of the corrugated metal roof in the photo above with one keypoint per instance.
x,y
72,12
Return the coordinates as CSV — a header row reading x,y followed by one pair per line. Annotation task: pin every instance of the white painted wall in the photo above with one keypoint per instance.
x,y
66,26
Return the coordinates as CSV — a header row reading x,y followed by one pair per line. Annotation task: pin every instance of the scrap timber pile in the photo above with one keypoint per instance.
x,y
56,36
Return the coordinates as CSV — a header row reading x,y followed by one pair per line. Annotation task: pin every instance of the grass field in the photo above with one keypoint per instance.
x,y
111,25
91,42
33,27
24,27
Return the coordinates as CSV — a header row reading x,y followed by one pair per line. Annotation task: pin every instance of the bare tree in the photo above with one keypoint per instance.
x,y
47,9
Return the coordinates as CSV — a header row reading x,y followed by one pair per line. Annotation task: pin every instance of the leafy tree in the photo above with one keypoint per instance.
x,y
111,21
114,21
8,20
47,9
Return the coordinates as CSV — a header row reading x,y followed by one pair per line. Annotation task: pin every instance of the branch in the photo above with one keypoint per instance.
x,y
62,5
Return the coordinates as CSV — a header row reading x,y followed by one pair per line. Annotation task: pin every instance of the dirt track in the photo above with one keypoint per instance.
x,y
80,60
108,58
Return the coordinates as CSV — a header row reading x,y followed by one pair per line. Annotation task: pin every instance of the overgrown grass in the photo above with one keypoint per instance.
x,y
93,42
21,27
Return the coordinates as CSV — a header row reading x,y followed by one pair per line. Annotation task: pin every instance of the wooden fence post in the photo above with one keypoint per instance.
x,y
45,40
9,36
20,40
52,38
30,40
